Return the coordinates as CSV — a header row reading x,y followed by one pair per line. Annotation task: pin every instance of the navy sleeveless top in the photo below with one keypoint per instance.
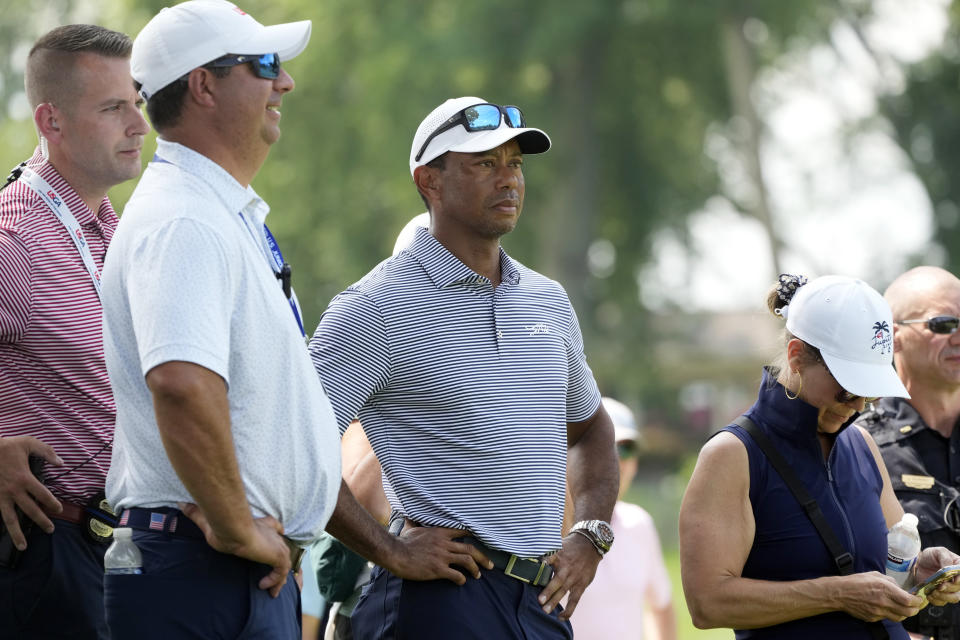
x,y
786,545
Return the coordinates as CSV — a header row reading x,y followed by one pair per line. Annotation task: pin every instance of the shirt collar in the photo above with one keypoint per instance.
x,y
234,195
446,269
791,419
74,202
900,412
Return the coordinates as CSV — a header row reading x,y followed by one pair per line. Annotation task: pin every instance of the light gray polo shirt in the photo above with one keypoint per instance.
x,y
187,278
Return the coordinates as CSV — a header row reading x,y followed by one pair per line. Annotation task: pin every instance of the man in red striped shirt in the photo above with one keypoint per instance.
x,y
55,400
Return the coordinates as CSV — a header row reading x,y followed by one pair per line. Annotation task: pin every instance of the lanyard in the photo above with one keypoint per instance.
x,y
280,268
48,194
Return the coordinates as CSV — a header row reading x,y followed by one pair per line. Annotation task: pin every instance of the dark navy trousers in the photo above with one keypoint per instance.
x,y
56,589
495,606
190,591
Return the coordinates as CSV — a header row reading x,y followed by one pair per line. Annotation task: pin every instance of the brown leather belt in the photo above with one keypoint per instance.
x,y
71,513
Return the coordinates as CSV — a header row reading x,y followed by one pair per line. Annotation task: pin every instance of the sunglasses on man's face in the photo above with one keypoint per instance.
x,y
479,117
626,449
938,324
264,66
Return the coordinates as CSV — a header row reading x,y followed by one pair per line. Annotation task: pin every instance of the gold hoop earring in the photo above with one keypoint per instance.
x,y
787,393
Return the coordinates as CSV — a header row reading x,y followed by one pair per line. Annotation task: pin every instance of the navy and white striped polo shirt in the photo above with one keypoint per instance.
x,y
465,391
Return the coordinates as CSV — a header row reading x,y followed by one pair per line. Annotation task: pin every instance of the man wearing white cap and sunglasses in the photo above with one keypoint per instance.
x,y
226,460
467,372
918,437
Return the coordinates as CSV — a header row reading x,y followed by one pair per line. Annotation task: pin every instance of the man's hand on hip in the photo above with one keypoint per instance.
x,y
430,553
20,488
573,569
264,544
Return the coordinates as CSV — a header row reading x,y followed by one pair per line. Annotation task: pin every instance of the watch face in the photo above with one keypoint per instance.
x,y
604,532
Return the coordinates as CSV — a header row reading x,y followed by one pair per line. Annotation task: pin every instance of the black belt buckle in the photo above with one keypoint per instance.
x,y
508,570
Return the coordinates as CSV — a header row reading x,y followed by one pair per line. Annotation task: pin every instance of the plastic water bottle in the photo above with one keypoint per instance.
x,y
903,546
123,557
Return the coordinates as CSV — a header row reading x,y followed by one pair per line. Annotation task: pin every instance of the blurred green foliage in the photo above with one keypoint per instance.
x,y
927,127
625,88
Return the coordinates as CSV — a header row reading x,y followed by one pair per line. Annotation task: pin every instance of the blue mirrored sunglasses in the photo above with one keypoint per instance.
x,y
266,65
478,117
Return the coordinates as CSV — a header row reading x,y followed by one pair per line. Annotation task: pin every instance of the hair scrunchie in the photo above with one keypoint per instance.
x,y
787,286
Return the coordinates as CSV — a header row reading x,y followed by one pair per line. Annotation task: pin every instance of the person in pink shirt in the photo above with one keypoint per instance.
x,y
629,598
57,411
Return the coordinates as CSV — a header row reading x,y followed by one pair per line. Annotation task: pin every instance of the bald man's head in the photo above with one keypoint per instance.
x,y
912,293
49,75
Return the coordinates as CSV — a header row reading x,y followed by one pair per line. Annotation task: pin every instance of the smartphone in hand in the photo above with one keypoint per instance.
x,y
930,584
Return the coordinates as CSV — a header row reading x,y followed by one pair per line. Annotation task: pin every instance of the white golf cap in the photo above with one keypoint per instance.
x,y
189,35
624,422
463,141
852,326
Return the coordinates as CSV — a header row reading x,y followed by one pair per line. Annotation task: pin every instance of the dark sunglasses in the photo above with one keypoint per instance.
x,y
479,117
265,66
939,324
626,449
843,395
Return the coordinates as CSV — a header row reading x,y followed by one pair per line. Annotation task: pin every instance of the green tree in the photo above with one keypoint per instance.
x,y
625,88
925,119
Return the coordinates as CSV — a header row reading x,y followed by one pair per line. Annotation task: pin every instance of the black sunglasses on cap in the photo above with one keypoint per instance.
x,y
266,65
479,117
938,324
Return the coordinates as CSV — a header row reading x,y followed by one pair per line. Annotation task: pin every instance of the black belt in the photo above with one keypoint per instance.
x,y
175,523
531,570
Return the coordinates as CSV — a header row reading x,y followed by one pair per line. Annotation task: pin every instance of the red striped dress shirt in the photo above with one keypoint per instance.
x,y
53,379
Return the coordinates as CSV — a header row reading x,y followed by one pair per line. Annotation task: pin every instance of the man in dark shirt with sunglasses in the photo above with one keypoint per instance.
x,y
918,437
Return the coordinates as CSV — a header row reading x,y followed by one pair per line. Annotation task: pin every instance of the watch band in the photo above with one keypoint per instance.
x,y
599,532
586,534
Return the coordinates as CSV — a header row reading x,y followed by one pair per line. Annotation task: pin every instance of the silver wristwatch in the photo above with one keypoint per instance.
x,y
598,532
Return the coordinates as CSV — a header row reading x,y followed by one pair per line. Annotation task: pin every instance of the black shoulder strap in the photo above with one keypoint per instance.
x,y
841,557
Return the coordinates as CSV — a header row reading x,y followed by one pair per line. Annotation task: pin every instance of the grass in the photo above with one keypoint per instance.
x,y
661,497
685,628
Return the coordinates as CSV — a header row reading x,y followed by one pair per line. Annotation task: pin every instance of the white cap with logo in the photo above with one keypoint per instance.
x,y
189,35
460,140
852,326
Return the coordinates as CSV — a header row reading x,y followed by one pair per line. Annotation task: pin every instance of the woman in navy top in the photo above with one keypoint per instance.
x,y
751,559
